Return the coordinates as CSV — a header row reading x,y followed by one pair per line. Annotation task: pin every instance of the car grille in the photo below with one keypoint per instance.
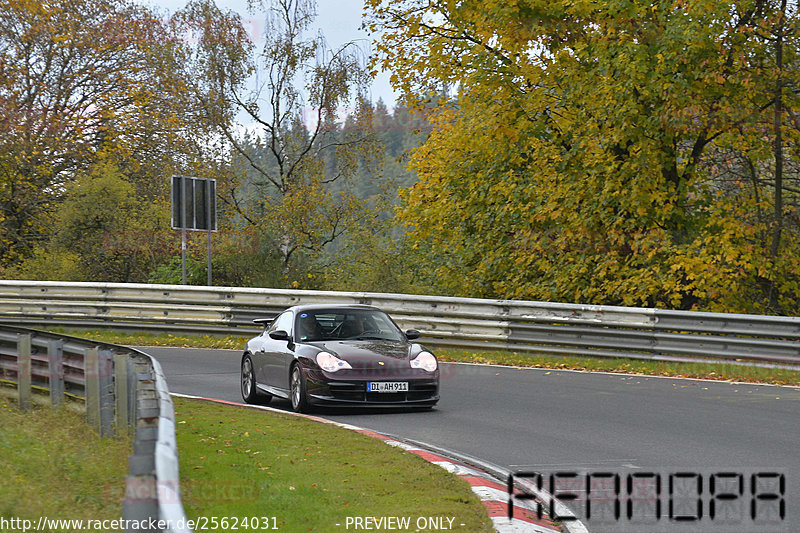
x,y
357,392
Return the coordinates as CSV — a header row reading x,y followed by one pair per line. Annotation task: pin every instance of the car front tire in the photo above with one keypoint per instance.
x,y
298,394
250,392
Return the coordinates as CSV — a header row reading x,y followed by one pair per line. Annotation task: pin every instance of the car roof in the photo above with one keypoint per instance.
x,y
313,307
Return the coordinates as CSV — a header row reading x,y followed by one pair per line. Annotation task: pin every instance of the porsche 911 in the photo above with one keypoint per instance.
x,y
350,355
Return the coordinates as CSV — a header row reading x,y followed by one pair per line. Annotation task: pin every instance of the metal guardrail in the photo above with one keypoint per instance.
x,y
122,389
526,326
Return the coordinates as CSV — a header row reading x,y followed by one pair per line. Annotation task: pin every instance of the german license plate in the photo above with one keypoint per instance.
x,y
387,386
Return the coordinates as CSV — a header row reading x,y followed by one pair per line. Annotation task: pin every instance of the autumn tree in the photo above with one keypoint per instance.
x,y
104,230
81,82
771,148
289,92
575,160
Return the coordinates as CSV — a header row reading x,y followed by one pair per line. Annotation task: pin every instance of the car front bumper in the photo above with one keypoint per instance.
x,y
352,391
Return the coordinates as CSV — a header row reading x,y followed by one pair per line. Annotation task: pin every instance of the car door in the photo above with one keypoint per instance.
x,y
258,348
277,351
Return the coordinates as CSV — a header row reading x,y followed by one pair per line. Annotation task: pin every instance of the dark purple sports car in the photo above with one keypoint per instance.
x,y
353,355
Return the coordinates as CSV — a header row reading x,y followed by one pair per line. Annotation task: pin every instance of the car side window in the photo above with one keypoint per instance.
x,y
284,322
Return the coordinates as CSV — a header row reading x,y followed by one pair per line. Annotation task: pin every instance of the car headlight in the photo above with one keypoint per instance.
x,y
331,363
426,361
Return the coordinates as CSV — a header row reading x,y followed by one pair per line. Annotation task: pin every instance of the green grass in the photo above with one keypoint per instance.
x,y
52,464
234,462
307,475
227,342
719,371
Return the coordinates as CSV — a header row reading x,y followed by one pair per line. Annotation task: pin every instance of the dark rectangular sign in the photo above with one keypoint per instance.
x,y
194,203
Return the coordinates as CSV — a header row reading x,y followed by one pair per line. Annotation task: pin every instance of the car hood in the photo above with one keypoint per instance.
x,y
360,352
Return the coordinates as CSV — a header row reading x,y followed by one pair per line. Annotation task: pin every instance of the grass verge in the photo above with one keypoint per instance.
x,y
54,465
228,342
305,476
719,371
274,471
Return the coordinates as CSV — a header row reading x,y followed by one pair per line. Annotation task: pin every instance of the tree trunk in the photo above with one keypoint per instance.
x,y
778,153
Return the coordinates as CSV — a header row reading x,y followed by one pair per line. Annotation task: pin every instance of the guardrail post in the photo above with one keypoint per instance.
x,y
92,376
141,499
55,358
24,370
133,394
141,494
106,389
123,420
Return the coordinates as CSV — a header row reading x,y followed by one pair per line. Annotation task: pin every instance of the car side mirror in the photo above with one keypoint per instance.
x,y
279,335
412,334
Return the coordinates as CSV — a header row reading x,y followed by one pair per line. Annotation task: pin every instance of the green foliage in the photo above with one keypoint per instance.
x,y
587,155
243,258
100,232
372,262
48,263
246,268
171,272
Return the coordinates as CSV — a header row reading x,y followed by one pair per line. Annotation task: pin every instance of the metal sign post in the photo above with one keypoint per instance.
x,y
194,208
183,256
208,233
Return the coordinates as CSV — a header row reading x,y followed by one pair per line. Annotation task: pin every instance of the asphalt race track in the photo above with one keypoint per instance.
x,y
570,422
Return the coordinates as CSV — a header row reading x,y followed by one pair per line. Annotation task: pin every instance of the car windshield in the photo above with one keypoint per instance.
x,y
337,324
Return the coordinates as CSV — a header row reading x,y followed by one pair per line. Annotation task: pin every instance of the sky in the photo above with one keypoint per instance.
x,y
339,21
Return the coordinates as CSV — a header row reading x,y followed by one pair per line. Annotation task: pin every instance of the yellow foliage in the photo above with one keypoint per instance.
x,y
589,151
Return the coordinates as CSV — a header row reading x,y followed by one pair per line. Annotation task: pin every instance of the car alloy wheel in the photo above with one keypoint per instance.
x,y
247,380
298,390
250,392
